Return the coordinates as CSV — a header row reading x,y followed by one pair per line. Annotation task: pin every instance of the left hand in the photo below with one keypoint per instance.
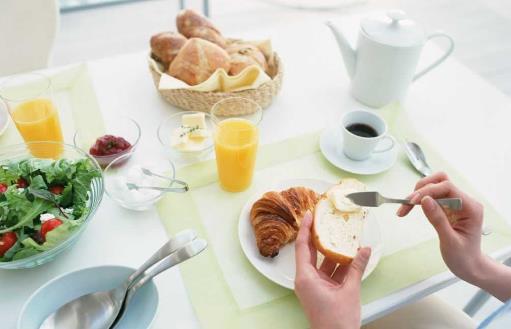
x,y
330,297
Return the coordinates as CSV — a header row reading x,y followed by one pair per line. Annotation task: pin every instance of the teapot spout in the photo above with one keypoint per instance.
x,y
347,51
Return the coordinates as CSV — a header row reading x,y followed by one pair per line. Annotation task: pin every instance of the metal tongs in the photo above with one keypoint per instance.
x,y
182,189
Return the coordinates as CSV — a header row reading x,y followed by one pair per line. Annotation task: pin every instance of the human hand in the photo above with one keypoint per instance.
x,y
459,232
330,297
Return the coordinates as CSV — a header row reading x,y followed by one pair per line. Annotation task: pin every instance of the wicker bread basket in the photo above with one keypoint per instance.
x,y
203,101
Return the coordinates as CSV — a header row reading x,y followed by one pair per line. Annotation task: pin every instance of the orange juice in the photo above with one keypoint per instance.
x,y
235,147
38,120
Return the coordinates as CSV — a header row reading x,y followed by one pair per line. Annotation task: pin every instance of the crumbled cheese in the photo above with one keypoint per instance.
x,y
68,210
46,217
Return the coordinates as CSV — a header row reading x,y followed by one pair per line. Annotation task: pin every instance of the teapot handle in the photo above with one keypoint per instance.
x,y
442,58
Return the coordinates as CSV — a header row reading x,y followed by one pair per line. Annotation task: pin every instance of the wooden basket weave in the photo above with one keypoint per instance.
x,y
203,101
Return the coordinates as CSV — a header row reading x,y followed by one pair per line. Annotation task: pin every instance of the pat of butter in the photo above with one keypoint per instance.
x,y
179,138
338,198
194,120
199,134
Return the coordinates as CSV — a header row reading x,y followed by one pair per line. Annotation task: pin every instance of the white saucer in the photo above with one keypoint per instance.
x,y
330,144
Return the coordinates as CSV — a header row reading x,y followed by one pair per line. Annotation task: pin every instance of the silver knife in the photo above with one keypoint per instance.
x,y
375,199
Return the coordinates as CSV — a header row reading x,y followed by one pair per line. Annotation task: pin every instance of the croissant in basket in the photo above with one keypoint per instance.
x,y
276,217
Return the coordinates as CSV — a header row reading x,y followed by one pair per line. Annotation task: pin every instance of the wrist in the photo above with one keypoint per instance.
x,y
482,271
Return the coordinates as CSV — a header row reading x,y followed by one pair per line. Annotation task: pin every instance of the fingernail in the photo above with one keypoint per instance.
x,y
365,253
416,198
399,211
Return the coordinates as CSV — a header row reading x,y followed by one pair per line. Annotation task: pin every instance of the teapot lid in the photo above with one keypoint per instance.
x,y
394,29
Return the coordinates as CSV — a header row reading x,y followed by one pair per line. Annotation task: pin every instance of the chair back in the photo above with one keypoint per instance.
x,y
27,34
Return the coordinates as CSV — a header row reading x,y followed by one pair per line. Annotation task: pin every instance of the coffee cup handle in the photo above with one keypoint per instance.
x,y
389,147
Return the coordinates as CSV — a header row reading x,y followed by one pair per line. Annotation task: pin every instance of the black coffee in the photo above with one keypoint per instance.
x,y
362,130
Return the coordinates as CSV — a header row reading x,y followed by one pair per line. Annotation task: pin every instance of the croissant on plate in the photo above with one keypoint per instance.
x,y
276,217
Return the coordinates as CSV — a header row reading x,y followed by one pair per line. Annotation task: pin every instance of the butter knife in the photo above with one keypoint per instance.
x,y
375,199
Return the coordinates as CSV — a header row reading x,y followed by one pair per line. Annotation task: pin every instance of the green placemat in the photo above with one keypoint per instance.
x,y
222,300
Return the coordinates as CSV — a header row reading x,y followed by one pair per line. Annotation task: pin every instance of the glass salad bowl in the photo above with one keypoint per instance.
x,y
122,126
41,185
167,136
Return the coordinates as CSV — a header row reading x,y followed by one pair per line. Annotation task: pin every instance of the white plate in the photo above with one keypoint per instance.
x,y
330,144
57,292
4,120
281,269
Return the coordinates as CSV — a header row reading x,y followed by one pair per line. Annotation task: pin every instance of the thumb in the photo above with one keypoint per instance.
x,y
436,216
358,266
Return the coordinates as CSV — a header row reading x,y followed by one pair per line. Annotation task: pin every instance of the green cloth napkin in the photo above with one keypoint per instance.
x,y
227,292
75,99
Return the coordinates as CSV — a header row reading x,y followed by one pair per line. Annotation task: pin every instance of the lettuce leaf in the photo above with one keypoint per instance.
x,y
21,210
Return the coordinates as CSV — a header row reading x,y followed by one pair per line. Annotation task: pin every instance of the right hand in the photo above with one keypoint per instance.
x,y
459,232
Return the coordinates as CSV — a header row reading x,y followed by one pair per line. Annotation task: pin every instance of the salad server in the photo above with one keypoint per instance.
x,y
190,250
417,158
375,199
100,309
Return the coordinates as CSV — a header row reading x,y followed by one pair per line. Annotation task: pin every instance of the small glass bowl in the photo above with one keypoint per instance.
x,y
169,125
124,127
21,152
121,171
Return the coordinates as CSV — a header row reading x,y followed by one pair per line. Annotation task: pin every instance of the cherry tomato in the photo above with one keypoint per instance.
x,y
3,188
49,225
56,189
7,240
21,183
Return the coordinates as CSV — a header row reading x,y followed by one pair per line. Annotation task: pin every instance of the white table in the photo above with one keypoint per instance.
x,y
464,118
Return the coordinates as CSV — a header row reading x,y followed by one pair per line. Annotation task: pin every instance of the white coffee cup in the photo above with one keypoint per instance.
x,y
361,146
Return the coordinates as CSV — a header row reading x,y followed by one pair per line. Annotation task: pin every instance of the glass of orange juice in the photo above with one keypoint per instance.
x,y
236,139
29,100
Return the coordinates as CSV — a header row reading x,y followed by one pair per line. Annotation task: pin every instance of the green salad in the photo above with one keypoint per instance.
x,y
42,202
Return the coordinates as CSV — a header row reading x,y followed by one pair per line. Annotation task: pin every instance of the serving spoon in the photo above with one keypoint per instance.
x,y
100,309
190,250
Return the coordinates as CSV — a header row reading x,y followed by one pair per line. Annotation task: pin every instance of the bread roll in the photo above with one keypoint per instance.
x,y
166,45
197,60
338,223
193,25
243,55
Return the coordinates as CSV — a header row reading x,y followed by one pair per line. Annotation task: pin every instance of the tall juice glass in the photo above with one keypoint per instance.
x,y
236,140
29,100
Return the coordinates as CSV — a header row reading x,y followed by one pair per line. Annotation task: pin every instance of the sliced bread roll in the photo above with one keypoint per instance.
x,y
338,222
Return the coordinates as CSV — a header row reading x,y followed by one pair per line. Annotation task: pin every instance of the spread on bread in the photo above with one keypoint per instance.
x,y
276,217
198,50
192,135
338,223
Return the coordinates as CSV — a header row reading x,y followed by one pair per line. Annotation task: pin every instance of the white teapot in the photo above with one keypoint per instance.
x,y
384,63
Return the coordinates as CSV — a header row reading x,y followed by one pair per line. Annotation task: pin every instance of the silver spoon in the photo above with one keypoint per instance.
x,y
100,309
190,250
417,158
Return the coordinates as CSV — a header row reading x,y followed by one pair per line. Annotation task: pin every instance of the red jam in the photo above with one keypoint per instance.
x,y
109,145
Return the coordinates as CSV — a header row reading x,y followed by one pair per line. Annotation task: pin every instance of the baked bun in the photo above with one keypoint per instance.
x,y
193,25
243,55
338,223
197,60
165,46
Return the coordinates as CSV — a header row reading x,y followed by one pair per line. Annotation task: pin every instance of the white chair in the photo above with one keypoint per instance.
x,y
27,34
